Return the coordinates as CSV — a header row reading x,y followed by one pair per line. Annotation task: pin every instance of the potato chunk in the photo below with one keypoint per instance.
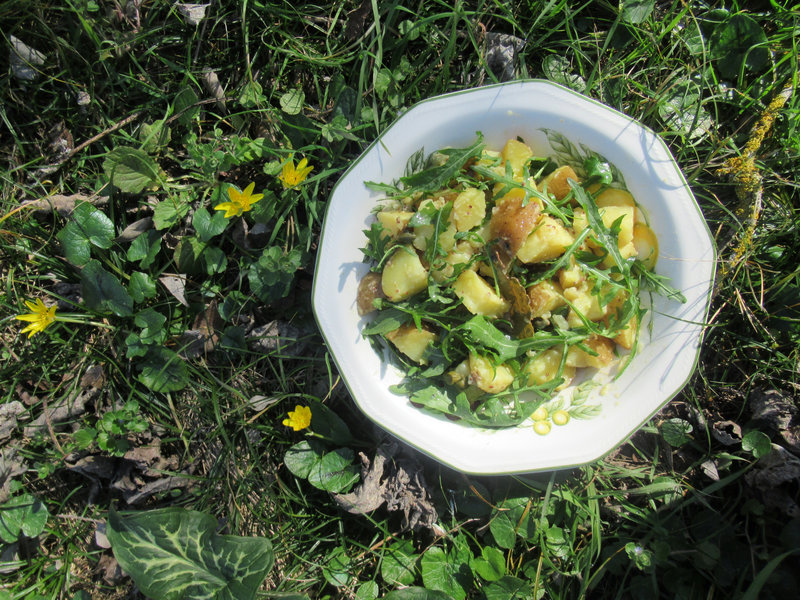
x,y
557,183
545,297
512,222
549,240
609,214
544,367
369,288
646,244
469,209
478,296
602,346
394,221
488,377
412,341
516,153
403,275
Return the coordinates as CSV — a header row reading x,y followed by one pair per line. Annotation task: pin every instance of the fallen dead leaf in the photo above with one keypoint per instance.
x,y
63,205
193,13
24,60
176,286
134,230
778,412
9,414
776,477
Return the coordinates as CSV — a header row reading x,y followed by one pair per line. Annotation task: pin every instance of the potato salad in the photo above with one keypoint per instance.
x,y
498,276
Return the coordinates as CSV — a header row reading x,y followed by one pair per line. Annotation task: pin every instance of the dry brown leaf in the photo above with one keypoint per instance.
x,y
176,286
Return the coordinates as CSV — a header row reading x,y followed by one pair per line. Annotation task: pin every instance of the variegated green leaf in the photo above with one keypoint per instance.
x,y
172,554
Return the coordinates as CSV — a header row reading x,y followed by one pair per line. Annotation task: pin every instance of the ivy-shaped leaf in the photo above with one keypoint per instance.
x,y
636,11
511,519
509,588
491,565
130,169
167,212
102,291
152,323
173,553
417,593
292,101
739,41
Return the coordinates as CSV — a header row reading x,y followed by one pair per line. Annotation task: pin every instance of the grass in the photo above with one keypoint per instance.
x,y
664,516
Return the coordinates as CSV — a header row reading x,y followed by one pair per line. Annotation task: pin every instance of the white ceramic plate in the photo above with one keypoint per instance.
x,y
666,358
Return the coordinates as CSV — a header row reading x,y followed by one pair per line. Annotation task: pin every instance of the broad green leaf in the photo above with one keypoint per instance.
x,y
335,471
739,41
417,593
95,225
398,564
167,212
207,226
152,323
491,565
252,95
300,458
24,515
511,519
444,572
681,109
272,276
332,471
185,105
214,260
155,135
676,432
509,588
103,292
145,248
74,244
326,423
292,101
141,287
88,227
635,11
163,370
337,569
176,554
757,442
188,255
235,304
130,169
134,346
368,590
559,69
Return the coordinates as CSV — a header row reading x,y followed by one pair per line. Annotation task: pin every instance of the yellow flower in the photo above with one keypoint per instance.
x,y
240,202
299,418
292,176
39,319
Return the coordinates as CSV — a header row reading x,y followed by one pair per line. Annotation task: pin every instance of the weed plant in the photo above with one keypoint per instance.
x,y
183,340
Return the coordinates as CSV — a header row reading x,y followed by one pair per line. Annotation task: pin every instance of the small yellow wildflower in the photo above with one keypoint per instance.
x,y
39,318
240,202
292,176
299,418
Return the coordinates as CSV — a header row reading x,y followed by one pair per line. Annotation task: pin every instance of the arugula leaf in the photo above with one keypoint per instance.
x,y
435,177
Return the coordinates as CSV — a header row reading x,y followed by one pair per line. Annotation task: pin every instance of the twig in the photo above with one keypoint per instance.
x,y
101,135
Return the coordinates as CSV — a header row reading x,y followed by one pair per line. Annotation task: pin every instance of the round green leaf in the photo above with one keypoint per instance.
x,y
636,11
397,564
417,593
102,291
446,573
509,588
292,101
492,564
676,432
163,370
24,515
757,442
739,41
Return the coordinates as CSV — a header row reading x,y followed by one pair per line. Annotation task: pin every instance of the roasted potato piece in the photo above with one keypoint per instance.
x,y
604,348
369,288
517,153
513,223
646,244
545,297
557,182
